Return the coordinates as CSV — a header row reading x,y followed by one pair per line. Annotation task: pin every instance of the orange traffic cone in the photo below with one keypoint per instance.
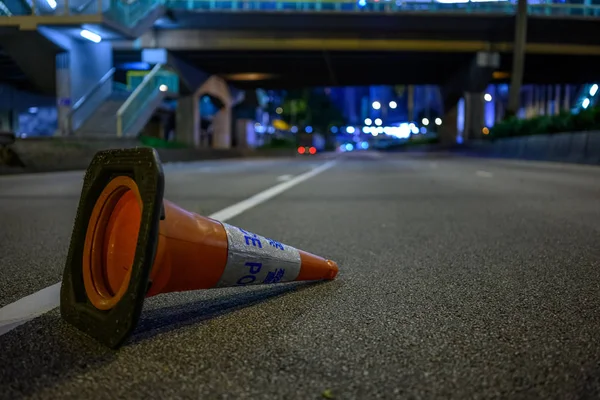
x,y
128,243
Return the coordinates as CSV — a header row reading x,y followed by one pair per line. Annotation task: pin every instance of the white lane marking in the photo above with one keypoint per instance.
x,y
484,174
284,178
29,307
47,299
261,197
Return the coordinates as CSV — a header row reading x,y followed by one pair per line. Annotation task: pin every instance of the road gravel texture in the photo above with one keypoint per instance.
x,y
453,284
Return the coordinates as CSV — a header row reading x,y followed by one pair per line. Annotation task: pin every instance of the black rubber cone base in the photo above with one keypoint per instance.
x,y
112,327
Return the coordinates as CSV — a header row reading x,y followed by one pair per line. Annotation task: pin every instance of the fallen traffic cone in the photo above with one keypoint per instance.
x,y
128,243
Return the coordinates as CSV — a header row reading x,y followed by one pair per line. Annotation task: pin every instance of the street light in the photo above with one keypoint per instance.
x,y
585,103
438,121
368,121
425,121
487,97
376,105
89,35
378,122
393,104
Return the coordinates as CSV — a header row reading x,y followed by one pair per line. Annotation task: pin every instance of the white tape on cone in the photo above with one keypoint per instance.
x,y
254,260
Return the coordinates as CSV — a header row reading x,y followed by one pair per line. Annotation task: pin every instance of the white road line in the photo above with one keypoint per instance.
x,y
484,174
261,197
284,178
47,299
29,307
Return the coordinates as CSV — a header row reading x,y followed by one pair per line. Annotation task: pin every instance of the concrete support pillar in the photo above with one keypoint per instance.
x,y
221,124
556,99
474,115
63,94
471,83
537,101
499,115
244,116
490,108
78,72
5,121
244,133
549,101
529,101
222,128
542,105
411,103
567,99
518,65
448,132
187,121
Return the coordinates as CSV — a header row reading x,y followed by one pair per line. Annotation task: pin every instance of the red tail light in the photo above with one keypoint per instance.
x,y
312,150
301,150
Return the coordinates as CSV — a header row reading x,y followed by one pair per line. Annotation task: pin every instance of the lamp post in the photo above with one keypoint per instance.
x,y
516,78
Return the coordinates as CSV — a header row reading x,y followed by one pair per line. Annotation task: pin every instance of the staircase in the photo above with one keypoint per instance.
x,y
34,55
11,73
122,112
103,122
14,7
130,17
145,99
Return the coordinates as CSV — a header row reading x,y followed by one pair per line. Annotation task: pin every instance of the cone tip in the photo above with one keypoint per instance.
x,y
333,269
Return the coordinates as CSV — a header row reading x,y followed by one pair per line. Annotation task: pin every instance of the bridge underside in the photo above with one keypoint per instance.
x,y
283,69
284,50
404,25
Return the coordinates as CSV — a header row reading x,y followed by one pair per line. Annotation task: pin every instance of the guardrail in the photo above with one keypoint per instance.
x,y
577,147
498,7
136,104
128,12
163,77
125,12
89,102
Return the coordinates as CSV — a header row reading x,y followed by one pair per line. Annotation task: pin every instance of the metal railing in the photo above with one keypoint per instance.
x,y
89,102
136,104
163,77
499,7
4,10
125,12
129,12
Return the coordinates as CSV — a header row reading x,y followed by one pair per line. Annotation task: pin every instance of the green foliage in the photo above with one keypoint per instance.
x,y
159,143
585,120
413,142
311,107
280,143
417,141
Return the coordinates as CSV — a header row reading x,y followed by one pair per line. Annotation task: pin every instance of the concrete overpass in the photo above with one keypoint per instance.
x,y
382,42
292,43
350,49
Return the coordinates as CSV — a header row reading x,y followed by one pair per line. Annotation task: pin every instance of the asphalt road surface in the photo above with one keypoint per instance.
x,y
459,278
